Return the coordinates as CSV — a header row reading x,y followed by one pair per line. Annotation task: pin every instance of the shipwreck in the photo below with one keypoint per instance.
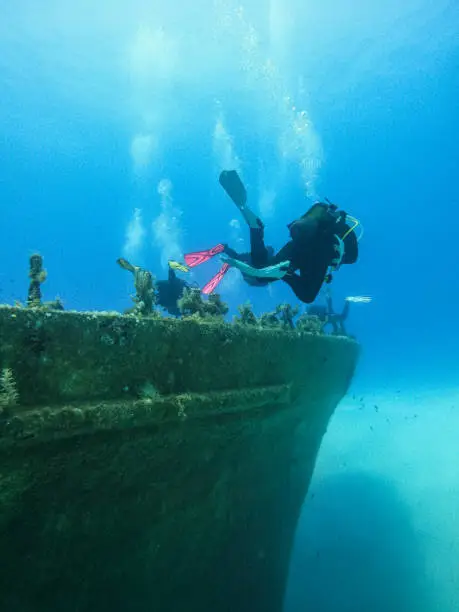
x,y
156,464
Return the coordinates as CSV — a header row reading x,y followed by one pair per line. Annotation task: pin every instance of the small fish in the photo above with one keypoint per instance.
x,y
359,299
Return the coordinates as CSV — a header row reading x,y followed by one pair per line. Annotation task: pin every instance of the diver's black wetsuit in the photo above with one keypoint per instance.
x,y
259,256
169,292
310,252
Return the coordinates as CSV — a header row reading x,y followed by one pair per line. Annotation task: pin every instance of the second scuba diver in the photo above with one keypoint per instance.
x,y
321,241
328,316
167,292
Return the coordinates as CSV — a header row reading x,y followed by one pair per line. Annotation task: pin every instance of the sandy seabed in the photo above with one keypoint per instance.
x,y
380,527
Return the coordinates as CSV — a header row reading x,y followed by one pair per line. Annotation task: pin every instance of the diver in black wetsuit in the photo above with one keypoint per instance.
x,y
321,240
328,316
167,292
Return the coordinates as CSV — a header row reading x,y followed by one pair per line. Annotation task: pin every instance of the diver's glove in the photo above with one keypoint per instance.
x,y
277,271
339,250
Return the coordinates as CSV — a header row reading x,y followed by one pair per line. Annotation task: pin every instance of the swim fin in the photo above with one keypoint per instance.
x,y
232,184
215,281
199,257
176,265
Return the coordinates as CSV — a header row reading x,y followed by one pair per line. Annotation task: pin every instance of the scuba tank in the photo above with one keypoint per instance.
x,y
328,221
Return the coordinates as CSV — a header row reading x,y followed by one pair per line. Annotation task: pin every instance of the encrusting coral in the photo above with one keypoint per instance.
x,y
55,304
270,319
144,298
214,307
282,317
246,315
310,323
37,276
191,304
9,395
286,313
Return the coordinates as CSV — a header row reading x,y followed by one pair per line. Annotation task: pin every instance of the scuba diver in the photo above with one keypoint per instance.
x,y
167,292
329,317
321,241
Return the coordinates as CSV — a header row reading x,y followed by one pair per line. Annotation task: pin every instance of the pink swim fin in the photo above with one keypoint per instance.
x,y
199,257
215,281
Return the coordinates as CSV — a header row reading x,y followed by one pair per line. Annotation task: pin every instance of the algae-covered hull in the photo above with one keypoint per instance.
x,y
157,464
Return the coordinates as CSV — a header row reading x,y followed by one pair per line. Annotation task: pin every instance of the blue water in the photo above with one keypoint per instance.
x,y
115,122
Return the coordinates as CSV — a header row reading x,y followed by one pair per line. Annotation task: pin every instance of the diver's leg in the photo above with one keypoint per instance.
x,y
251,218
285,254
171,276
258,250
231,252
304,292
306,286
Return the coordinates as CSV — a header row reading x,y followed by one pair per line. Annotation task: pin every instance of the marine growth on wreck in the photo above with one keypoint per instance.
x,y
155,462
